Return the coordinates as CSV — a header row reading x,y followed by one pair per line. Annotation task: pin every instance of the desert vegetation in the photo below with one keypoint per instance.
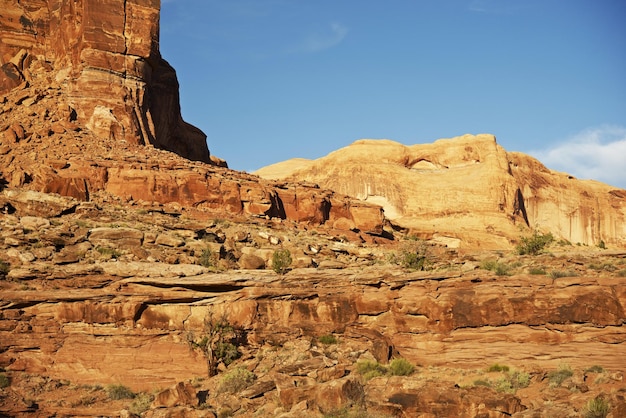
x,y
281,260
534,244
217,342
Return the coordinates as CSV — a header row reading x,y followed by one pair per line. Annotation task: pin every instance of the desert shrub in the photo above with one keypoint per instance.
x,y
621,273
370,369
4,381
217,342
536,271
327,339
281,260
353,412
597,407
226,352
401,367
236,380
207,258
4,268
519,379
595,369
117,392
141,403
534,244
497,368
109,252
512,382
501,269
602,245
557,377
604,266
481,382
557,274
412,255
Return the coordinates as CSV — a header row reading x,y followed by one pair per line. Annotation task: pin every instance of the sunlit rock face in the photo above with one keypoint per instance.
x,y
467,191
104,55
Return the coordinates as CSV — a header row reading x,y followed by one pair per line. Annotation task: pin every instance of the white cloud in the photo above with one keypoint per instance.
x,y
595,153
319,41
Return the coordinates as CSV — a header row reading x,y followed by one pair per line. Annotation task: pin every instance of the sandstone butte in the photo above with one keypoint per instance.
x,y
120,236
466,191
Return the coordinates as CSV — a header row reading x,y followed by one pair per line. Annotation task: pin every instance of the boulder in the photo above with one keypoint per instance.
x,y
251,262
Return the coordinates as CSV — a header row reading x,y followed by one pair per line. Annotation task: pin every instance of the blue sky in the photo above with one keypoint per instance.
x,y
270,80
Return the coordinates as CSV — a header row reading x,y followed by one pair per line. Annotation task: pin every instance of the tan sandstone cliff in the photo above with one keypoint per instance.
x,y
467,191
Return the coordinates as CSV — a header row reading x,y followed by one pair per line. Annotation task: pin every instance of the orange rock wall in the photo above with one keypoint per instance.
x,y
105,54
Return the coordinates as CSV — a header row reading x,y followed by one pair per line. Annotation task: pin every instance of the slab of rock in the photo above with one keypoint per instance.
x,y
116,237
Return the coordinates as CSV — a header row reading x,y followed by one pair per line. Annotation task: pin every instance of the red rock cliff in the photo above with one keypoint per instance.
x,y
105,56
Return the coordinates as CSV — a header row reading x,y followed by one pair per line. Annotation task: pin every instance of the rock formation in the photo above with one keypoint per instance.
x,y
104,55
84,276
88,114
115,254
467,191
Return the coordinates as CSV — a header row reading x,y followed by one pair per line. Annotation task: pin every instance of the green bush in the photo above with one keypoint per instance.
x,y
217,342
604,266
117,392
501,269
327,339
481,382
519,379
557,377
497,368
597,407
557,274
412,255
602,245
536,271
4,381
236,380
370,369
512,382
141,403
534,244
595,369
281,260
621,273
206,258
226,352
401,367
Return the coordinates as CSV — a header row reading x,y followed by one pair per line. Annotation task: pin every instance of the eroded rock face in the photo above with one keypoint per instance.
x,y
466,191
105,56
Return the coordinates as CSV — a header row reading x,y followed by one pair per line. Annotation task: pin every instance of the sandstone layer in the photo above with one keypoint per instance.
x,y
467,191
98,294
104,56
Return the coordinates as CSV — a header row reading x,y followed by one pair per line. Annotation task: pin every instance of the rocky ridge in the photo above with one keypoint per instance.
x,y
131,280
467,191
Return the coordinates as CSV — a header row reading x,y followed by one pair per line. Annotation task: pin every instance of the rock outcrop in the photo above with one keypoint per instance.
x,y
466,191
104,55
44,147
85,276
